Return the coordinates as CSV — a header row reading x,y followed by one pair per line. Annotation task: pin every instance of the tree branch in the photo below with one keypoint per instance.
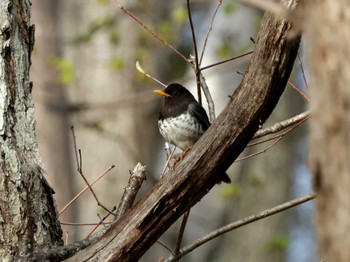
x,y
245,221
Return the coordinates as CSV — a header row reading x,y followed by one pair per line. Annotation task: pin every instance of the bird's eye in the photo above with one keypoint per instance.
x,y
175,93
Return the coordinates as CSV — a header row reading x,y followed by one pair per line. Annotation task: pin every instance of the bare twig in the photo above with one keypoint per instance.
x,y
209,30
299,91
259,152
138,175
181,232
140,69
165,246
194,63
240,223
101,223
84,189
278,137
83,224
226,60
302,71
169,157
282,125
151,32
208,97
75,146
79,161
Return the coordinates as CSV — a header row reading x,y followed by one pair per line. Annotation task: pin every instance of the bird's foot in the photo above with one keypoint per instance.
x,y
180,157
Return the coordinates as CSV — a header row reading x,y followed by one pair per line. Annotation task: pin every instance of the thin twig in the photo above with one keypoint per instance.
x,y
75,146
66,239
84,189
278,137
208,97
83,224
240,223
226,60
195,64
169,157
302,71
140,69
299,91
259,152
181,232
101,223
209,30
165,246
282,125
79,160
151,32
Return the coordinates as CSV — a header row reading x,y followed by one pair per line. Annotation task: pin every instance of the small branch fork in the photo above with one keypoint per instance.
x,y
79,160
63,252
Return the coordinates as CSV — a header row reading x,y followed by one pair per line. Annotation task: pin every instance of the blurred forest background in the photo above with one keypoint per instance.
x,y
84,76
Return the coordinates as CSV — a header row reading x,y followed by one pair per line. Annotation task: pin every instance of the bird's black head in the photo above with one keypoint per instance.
x,y
176,99
176,90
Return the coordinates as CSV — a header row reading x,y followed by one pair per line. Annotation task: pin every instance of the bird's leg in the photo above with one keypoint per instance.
x,y
181,156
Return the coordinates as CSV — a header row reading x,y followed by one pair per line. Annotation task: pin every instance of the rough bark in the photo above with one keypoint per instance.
x,y
28,216
250,106
328,39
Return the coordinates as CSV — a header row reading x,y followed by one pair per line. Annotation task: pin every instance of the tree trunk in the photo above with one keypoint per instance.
x,y
328,38
28,213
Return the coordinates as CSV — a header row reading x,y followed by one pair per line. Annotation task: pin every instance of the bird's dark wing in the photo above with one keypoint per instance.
x,y
196,110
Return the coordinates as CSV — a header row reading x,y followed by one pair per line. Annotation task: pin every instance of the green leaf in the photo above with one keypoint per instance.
x,y
230,8
279,243
179,15
116,64
230,190
65,69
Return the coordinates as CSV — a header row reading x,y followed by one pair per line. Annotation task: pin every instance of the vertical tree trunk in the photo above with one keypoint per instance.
x,y
328,37
28,218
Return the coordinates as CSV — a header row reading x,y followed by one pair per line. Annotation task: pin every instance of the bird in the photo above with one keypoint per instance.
x,y
182,120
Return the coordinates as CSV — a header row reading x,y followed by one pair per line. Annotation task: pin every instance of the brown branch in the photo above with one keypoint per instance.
x,y
126,11
181,232
240,223
84,189
195,64
136,179
209,30
208,97
225,61
299,91
282,125
79,160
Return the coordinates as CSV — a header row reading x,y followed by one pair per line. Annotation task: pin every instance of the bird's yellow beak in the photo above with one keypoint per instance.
x,y
162,93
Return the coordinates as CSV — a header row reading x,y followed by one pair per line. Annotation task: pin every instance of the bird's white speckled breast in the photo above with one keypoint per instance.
x,y
182,131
